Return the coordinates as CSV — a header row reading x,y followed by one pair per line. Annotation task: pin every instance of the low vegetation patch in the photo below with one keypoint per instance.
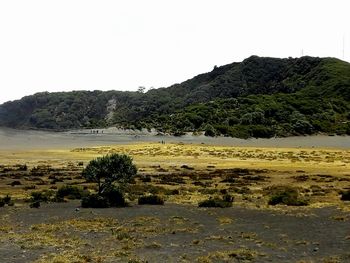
x,y
34,204
225,201
70,192
14,183
6,201
286,195
94,201
110,198
150,200
345,195
41,196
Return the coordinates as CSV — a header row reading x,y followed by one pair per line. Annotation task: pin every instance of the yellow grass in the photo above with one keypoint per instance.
x,y
282,165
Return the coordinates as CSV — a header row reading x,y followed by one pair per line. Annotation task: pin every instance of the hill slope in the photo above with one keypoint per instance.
x,y
260,97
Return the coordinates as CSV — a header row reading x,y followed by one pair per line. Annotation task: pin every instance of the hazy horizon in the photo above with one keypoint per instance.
x,y
114,45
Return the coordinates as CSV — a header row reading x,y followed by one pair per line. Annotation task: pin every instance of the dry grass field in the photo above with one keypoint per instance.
x,y
319,174
183,175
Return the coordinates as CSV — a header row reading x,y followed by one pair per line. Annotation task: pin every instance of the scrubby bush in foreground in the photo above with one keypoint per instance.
x,y
70,192
37,197
287,196
35,204
226,201
41,196
114,197
6,201
94,201
110,198
345,196
150,200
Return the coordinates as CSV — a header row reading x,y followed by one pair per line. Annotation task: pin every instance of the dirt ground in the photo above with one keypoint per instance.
x,y
183,175
173,233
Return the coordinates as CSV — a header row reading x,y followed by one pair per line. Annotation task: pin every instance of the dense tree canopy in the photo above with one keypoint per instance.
x,y
109,169
259,97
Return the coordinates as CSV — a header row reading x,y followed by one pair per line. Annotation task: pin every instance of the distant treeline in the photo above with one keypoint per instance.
x,y
259,97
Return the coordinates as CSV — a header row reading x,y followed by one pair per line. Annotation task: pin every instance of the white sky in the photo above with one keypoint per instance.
x,y
65,45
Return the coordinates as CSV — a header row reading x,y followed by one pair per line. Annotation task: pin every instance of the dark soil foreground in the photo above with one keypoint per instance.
x,y
173,233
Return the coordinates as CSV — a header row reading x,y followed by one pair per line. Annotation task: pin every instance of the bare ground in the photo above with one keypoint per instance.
x,y
173,233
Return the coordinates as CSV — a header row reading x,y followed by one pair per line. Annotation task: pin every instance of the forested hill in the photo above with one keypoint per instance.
x,y
259,97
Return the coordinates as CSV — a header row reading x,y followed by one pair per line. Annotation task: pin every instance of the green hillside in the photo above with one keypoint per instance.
x,y
259,97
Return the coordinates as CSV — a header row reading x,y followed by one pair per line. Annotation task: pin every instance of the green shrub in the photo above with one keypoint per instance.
x,y
214,202
14,183
225,201
94,201
35,204
209,131
172,192
2,202
150,200
345,196
7,199
22,167
43,196
228,198
287,196
230,178
114,197
71,192
146,179
260,131
29,187
110,198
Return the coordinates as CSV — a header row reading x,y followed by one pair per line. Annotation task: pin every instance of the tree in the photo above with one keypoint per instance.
x,y
109,169
141,89
209,131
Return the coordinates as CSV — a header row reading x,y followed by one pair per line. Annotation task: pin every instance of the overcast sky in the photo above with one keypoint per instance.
x,y
68,45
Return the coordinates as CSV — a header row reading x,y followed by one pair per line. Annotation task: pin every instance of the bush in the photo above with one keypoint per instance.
x,y
146,179
172,192
22,167
214,202
287,196
7,199
228,198
71,192
226,201
38,196
345,196
110,198
29,187
94,201
43,196
150,200
209,131
114,197
14,183
260,131
230,178
35,204
303,127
